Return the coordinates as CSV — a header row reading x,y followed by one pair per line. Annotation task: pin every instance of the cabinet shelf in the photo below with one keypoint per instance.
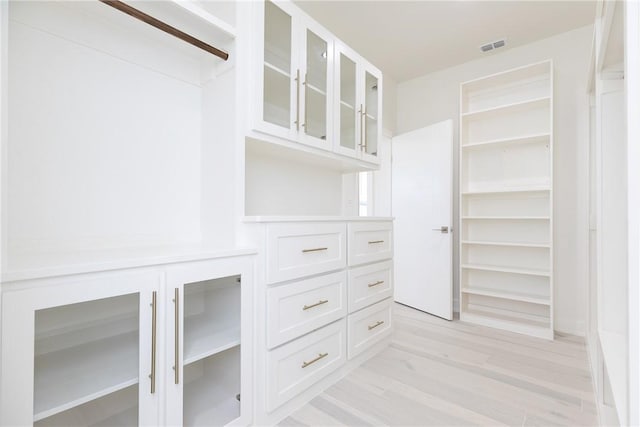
x,y
96,369
277,69
345,104
540,138
540,329
514,296
518,244
206,404
316,89
509,218
508,190
201,341
515,106
500,269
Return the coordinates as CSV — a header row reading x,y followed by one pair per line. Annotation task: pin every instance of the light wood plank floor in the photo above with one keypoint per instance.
x,y
439,373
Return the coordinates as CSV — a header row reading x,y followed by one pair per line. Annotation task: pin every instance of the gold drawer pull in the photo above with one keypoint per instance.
x,y
378,323
322,301
372,242
304,251
379,282
311,362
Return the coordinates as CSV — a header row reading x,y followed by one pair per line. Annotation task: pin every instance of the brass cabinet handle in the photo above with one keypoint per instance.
x,y
372,242
379,282
152,376
361,145
311,362
176,348
314,250
322,301
306,103
364,128
298,100
378,323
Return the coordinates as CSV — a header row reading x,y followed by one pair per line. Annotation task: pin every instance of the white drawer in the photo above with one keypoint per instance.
x,y
370,241
369,326
296,366
304,249
370,284
301,307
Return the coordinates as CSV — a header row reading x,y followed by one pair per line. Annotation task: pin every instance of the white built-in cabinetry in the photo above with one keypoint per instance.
x,y
312,90
614,325
124,301
324,287
157,345
506,194
357,105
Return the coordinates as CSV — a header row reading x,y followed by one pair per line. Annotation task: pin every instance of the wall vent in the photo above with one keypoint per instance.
x,y
493,45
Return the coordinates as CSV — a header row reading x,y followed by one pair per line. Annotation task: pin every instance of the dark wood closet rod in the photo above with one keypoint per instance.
x,y
132,11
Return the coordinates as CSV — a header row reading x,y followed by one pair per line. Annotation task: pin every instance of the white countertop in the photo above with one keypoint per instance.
x,y
46,265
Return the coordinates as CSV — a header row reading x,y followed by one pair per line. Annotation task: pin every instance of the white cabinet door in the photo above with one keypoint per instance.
x,y
357,105
82,351
208,370
295,75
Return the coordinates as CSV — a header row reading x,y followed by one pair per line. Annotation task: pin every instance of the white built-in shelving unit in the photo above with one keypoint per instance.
x,y
506,193
613,326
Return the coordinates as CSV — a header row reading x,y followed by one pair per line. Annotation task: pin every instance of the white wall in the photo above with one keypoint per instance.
x,y
435,97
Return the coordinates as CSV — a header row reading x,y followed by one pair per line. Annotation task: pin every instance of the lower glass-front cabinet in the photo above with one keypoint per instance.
x,y
82,352
129,349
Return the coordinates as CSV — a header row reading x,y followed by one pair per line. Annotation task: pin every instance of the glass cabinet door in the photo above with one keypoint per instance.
x,y
315,86
210,361
82,353
347,116
276,97
370,115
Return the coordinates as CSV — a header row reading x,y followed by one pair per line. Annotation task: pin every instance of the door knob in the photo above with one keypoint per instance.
x,y
444,229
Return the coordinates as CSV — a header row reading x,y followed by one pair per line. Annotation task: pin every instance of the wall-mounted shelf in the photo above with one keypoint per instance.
x,y
505,142
506,209
511,244
533,299
502,269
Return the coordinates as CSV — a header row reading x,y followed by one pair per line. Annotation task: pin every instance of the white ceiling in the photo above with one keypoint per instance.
x,y
407,39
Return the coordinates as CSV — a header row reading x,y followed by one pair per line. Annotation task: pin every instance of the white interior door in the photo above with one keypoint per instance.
x,y
421,204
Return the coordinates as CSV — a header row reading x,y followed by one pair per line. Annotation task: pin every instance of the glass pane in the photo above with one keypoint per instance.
x,y
371,102
73,346
211,352
277,66
316,87
347,102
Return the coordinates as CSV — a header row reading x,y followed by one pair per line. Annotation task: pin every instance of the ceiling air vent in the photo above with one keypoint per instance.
x,y
493,45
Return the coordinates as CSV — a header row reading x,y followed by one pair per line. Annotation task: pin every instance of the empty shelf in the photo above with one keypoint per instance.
x,y
522,105
528,139
508,190
518,244
514,296
542,218
515,270
539,329
277,69
202,340
88,371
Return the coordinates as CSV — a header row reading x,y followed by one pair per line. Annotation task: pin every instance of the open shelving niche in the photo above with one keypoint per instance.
x,y
112,173
506,188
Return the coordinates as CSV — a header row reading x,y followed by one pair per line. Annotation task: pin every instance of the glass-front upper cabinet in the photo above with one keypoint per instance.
x,y
297,59
358,103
